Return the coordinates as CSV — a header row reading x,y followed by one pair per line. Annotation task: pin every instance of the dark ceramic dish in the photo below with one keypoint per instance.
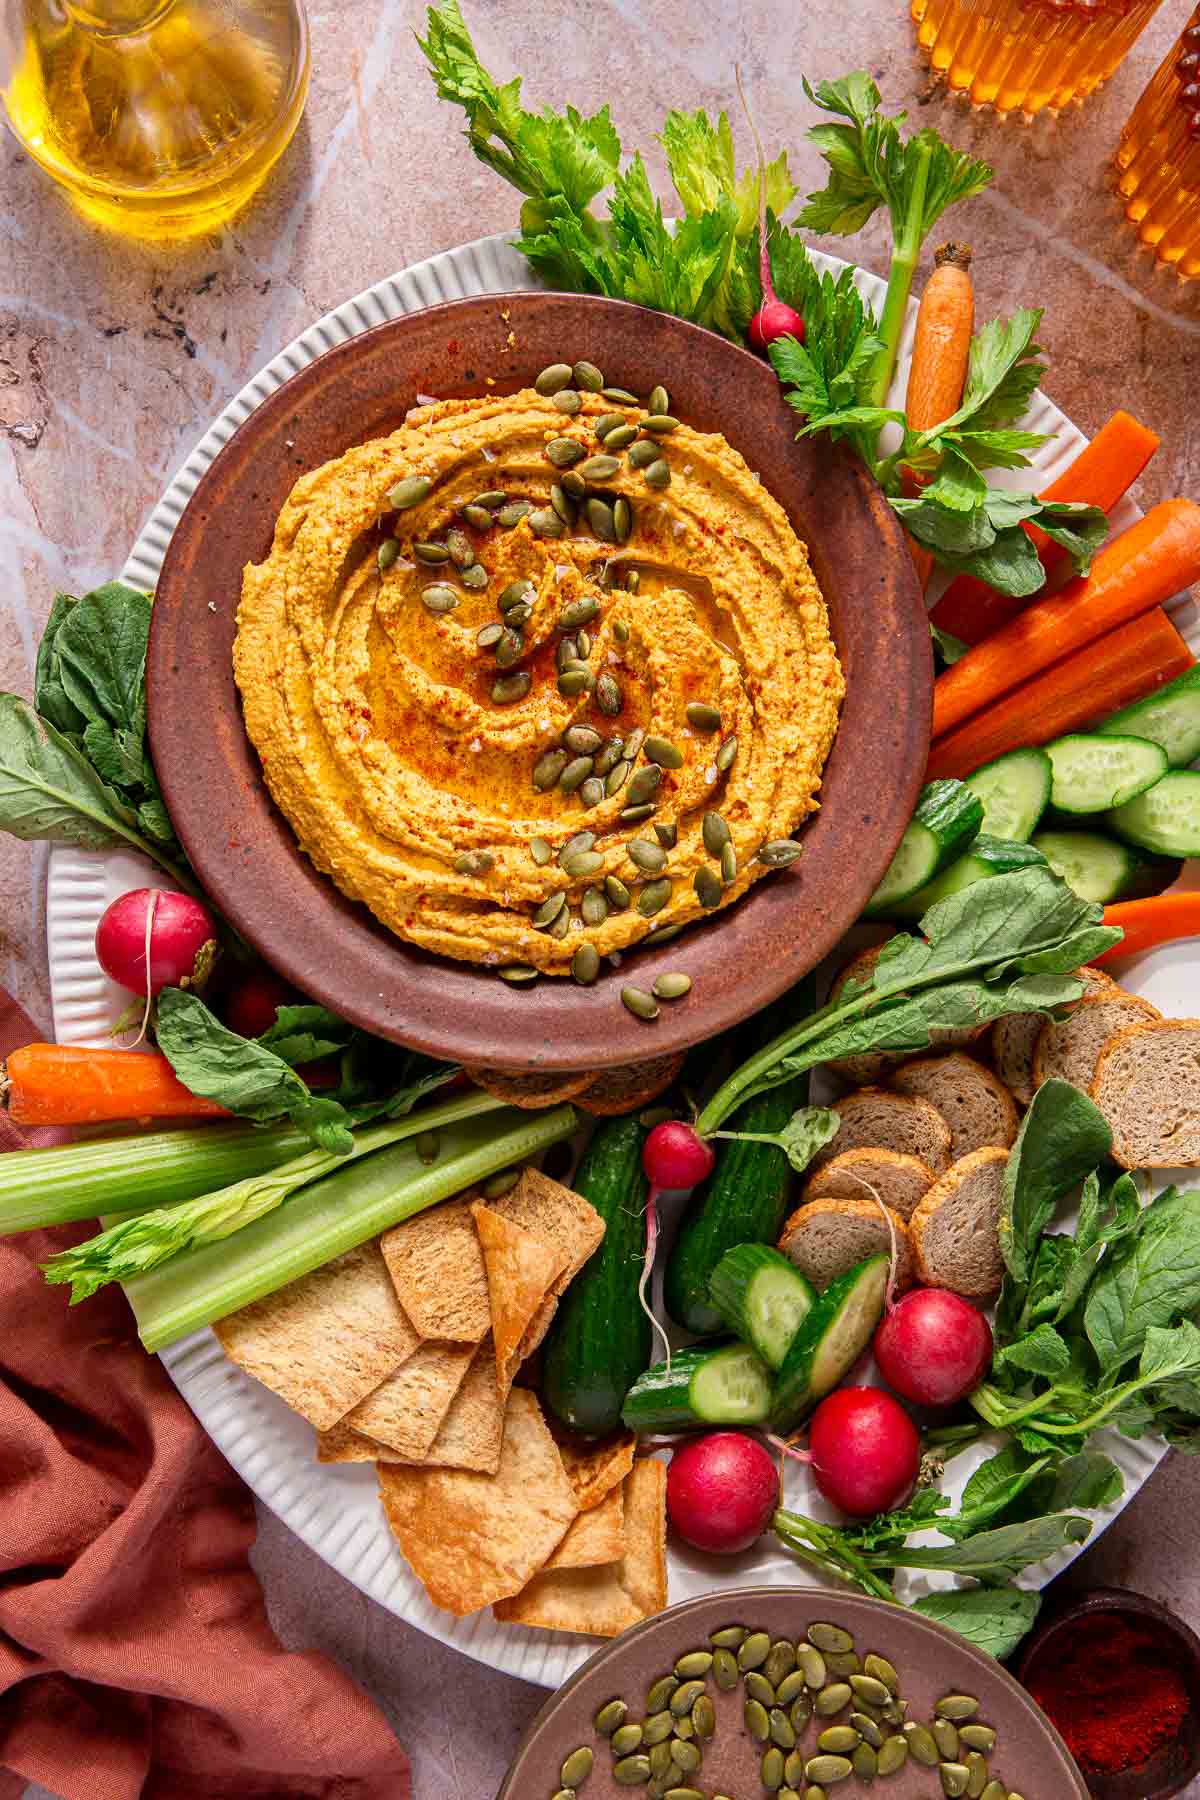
x,y
333,949
930,1659
1170,1769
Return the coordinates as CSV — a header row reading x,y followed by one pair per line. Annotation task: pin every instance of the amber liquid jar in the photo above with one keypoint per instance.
x,y
1158,158
1027,56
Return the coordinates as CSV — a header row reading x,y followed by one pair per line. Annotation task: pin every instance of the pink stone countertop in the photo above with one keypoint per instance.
x,y
113,359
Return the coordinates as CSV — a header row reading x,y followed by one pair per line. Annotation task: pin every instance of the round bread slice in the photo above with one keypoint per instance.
x,y
874,1118
624,1090
873,1065
531,1088
827,1237
975,1104
1147,1085
900,1181
1014,1039
1070,1048
955,1230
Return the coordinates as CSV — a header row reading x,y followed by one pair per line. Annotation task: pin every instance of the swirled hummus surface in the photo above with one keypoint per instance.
x,y
439,771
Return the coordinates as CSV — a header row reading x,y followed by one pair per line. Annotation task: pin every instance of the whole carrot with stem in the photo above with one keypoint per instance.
x,y
70,1084
940,355
1148,923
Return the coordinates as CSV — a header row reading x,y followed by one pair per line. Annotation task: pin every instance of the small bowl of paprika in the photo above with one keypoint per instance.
x,y
1119,1675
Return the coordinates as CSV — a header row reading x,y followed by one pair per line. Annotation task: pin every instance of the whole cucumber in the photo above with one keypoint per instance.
x,y
599,1342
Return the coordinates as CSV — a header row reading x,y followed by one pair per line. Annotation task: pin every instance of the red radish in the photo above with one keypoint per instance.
x,y
866,1452
673,1156
152,924
774,318
721,1491
249,1006
933,1347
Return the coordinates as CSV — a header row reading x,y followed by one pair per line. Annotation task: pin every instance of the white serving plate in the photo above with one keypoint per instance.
x,y
335,1510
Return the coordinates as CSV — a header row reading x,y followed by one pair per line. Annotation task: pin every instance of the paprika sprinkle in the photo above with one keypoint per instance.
x,y
1115,1693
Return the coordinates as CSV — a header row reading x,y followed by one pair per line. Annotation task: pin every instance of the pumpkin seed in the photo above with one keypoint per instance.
x,y
704,1717
839,1739
759,1688
683,1793
584,640
724,1669
658,1727
843,1663
779,853
891,1755
491,499
661,1764
870,1689
584,862
565,452
545,523
668,936
409,492
879,1666
474,862
587,376
516,974
758,1721
654,897
549,910
667,835
709,891
977,1737
546,771
577,1767
609,1717
694,1663
565,1794
684,1729
622,519
576,681
703,717
808,1657
567,401
585,965
641,1004
657,474
617,893
608,756
478,516
945,1736
620,437
510,648
921,1743
828,1770
865,1762
510,688
660,423
660,1693
540,848
955,1776
725,756
620,631
643,453
513,513
592,791
896,1712
832,1698
957,1706
995,1790
632,1771
389,550
977,1774
633,742
650,858
867,1728
428,1146
715,833
573,484
684,1754
771,1771
781,1660
431,553
553,379
621,395
563,504
782,1732
659,400
475,578
729,868
793,1770
607,422
576,613
459,546
792,1684
634,815
575,774
616,778
438,598
800,1712
662,751
566,654
644,784
600,519
609,697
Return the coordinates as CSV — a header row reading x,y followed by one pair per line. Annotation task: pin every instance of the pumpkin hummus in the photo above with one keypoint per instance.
x,y
652,707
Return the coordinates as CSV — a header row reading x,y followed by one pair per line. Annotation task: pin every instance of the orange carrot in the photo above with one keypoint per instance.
x,y
1103,471
1138,570
941,348
1147,923
67,1084
1122,666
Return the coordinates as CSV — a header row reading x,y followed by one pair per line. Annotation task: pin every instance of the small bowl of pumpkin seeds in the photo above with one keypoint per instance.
x,y
792,1694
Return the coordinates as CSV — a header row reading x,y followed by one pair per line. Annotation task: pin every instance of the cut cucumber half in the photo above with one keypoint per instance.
x,y
830,1341
1093,773
987,856
726,1386
1015,791
1166,818
1099,868
946,820
762,1298
1170,718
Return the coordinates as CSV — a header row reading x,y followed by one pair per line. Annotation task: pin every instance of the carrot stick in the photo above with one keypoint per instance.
x,y
1103,471
1138,570
68,1084
941,349
1122,666
1147,923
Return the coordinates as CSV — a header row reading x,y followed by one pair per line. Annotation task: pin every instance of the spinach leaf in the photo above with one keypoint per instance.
x,y
50,698
1041,1352
808,1130
304,1034
992,1489
1063,1138
994,1619
48,791
100,659
1003,1551
1152,1280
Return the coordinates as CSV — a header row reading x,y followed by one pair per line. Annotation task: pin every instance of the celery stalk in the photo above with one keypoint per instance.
x,y
329,1217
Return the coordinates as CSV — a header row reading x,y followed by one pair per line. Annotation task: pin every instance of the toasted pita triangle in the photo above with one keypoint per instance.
x,y
596,1536
521,1270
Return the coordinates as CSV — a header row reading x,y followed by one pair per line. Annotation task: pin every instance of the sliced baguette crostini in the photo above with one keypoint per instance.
x,y
1070,1048
955,1230
874,1118
828,1237
975,1104
1014,1039
900,1181
1147,1085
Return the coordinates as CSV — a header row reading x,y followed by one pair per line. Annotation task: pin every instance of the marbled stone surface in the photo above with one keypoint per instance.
x,y
114,357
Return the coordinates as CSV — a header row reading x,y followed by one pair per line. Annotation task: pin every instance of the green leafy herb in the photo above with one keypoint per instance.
x,y
994,1619
808,1130
989,541
1063,1137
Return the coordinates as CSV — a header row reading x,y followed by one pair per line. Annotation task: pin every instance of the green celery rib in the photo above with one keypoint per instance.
x,y
329,1217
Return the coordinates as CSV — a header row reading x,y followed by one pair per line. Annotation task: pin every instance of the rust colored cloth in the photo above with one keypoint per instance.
x,y
135,1655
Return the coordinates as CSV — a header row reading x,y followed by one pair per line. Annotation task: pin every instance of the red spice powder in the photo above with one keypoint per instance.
x,y
1114,1692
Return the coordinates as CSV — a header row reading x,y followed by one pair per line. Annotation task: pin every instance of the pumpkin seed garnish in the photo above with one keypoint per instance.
x,y
610,1716
546,771
549,910
585,965
513,513
567,401
708,888
600,519
673,985
667,835
828,1769
510,648
726,754
511,688
518,593
654,897
771,1769
869,1687
757,1719
475,577
626,1738
660,1693
644,452
957,1706
660,423
584,740
715,833
459,546
704,1718
478,516
839,1739
563,504
702,717
891,1755
577,1767
541,849
633,815
584,862
584,641
545,523
620,631
781,1730
565,452
650,858
659,401
618,894
791,1686
779,853
607,422
954,1777
588,377
978,1737
594,907
633,582
389,550
516,616
662,751
622,519
864,1762
609,697
438,598
553,378
730,1637
592,791
808,1657
474,862
977,1774
657,1728
409,492
694,1663
490,499
921,1744
516,974
725,1669
641,1004
685,1697
867,1728
573,484
582,840
608,757
632,1771
945,1736
658,474
616,778
756,1683
575,774
620,437
833,1697
576,613
576,680
431,553
620,395
879,1666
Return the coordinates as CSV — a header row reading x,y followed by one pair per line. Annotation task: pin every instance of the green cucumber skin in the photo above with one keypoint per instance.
x,y
793,1396
661,1398
745,1198
954,815
732,1289
1140,719
599,1341
986,857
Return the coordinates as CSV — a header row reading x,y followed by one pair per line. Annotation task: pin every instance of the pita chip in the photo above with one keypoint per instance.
x,y
604,1601
556,1215
595,1537
521,1270
595,1469
406,1411
325,1341
472,1538
437,1270
470,1435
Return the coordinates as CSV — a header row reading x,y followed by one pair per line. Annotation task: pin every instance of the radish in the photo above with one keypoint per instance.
x,y
154,928
673,1156
865,1451
722,1491
774,318
249,1006
933,1347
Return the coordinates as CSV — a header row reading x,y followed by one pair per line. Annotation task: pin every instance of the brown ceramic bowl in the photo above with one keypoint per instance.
x,y
331,948
930,1659
1170,1769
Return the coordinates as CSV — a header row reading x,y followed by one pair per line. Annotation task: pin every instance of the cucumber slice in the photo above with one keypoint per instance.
x,y
830,1341
1101,869
987,856
762,1298
946,820
1166,818
1094,773
1015,791
1170,718
725,1386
